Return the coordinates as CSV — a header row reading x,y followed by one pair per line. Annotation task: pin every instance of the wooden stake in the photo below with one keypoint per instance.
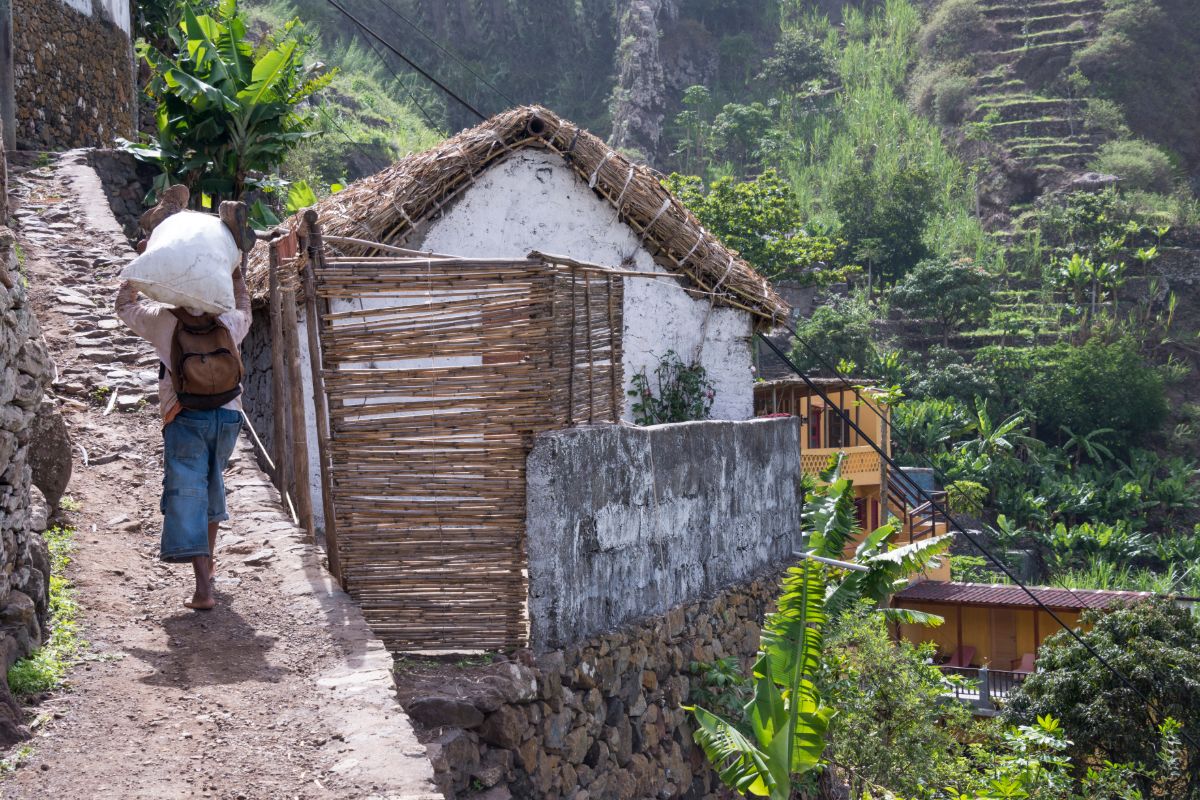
x,y
280,392
294,410
320,401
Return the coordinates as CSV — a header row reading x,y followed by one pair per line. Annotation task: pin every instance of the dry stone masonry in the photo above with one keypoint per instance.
x,y
73,69
599,720
25,371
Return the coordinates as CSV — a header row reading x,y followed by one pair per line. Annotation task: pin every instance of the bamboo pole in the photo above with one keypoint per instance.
x,y
317,364
279,389
298,428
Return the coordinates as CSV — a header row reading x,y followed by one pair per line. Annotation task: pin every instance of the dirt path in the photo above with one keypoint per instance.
x,y
280,692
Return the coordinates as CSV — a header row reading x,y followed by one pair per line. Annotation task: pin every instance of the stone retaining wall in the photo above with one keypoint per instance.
x,y
73,73
126,183
600,720
25,371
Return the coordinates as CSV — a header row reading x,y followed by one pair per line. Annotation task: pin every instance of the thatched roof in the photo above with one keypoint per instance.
x,y
390,206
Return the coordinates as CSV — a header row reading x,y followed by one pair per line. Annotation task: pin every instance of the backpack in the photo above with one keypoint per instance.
x,y
206,367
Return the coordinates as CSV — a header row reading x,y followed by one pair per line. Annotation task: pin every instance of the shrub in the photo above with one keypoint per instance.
x,y
682,392
1098,385
1139,164
1146,58
1156,645
839,331
1105,117
943,93
954,30
945,374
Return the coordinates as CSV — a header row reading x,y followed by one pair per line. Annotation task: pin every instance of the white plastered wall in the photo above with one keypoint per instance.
x,y
532,201
116,10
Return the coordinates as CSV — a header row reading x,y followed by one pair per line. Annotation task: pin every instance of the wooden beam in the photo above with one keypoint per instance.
x,y
958,623
320,402
294,410
281,393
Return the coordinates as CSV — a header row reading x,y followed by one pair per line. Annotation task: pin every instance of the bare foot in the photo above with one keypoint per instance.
x,y
201,602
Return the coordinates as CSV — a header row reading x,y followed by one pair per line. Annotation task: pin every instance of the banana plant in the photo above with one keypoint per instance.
x,y
226,110
787,717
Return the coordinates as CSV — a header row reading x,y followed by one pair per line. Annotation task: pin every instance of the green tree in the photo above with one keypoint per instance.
x,y
227,111
953,294
1156,645
799,58
761,220
841,330
890,212
1097,385
893,727
787,718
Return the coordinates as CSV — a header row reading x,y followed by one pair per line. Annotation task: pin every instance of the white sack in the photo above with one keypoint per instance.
x,y
189,262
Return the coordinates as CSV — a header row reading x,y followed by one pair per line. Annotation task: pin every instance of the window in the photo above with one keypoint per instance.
x,y
814,427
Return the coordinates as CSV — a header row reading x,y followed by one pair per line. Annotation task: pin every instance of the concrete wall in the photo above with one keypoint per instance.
x,y
532,201
599,719
627,522
73,69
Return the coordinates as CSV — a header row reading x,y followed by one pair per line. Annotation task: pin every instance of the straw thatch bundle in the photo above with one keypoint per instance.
x,y
390,206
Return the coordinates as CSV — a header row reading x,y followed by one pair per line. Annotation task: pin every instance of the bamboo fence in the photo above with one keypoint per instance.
x,y
437,374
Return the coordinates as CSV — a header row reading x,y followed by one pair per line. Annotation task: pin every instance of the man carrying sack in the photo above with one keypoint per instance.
x,y
199,384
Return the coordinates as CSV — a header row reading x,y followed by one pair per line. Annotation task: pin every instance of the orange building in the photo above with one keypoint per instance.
x,y
878,495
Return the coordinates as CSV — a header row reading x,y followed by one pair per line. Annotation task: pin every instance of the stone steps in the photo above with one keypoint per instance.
x,y
1072,33
1019,108
1046,127
997,58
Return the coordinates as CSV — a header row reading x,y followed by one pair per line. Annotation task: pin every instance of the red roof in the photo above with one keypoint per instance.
x,y
985,594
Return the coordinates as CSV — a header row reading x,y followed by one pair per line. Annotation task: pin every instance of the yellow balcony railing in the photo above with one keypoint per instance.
x,y
861,464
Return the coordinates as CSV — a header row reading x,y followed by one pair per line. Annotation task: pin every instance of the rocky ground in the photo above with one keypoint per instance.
x,y
280,691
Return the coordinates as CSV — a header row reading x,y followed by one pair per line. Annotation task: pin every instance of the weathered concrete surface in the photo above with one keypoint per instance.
x,y
627,522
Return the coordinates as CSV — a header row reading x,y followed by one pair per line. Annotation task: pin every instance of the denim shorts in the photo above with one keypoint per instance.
x,y
196,448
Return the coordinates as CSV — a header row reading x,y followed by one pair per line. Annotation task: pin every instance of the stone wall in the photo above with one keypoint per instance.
x,y
25,371
73,72
625,522
600,720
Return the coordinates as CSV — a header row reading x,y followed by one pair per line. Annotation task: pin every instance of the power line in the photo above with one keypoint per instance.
x,y
411,94
941,509
447,51
363,26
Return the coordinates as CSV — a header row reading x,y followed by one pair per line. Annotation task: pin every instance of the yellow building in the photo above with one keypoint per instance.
x,y
991,633
878,495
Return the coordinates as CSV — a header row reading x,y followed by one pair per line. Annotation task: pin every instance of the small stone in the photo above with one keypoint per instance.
x,y
444,712
259,558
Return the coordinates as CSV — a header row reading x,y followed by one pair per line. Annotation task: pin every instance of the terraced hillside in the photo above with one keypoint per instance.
x,y
1022,98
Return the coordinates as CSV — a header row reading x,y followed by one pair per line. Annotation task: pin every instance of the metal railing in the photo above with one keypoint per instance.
x,y
983,685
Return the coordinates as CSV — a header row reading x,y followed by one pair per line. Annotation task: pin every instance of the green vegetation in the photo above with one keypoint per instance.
x,y
227,111
1156,645
681,392
779,740
45,669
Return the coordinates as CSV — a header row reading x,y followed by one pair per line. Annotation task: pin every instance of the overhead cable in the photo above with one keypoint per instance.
x,y
941,509
366,29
